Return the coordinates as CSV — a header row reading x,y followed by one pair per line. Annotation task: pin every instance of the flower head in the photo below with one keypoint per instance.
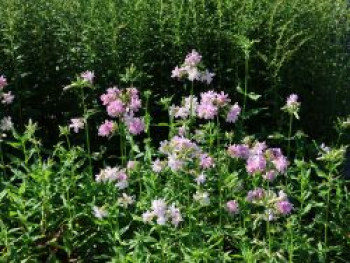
x,y
206,161
126,200
135,125
157,166
88,76
7,98
232,207
284,207
106,129
6,124
99,212
3,82
238,151
77,124
233,114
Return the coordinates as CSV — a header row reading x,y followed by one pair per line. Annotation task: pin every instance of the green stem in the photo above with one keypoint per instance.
x,y
219,172
87,135
2,159
191,102
121,142
246,77
269,236
289,134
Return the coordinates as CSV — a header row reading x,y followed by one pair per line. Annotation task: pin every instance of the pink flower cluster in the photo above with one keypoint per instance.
x,y
260,159
122,104
5,97
275,205
192,69
162,213
181,151
113,175
208,108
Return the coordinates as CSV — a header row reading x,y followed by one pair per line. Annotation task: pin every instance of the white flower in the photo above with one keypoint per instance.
x,y
202,198
147,216
6,124
77,124
126,200
99,212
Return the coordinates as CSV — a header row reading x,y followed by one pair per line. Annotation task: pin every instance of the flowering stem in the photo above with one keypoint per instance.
x,y
327,214
269,235
68,142
219,174
122,142
291,247
148,130
87,135
191,102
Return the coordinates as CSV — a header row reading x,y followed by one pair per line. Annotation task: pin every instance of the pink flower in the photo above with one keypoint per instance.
x,y
115,108
207,77
238,151
193,59
256,163
208,97
233,114
3,82
88,76
281,164
207,111
270,175
232,207
7,98
258,149
256,194
135,104
106,129
176,72
206,161
284,207
222,99
157,166
77,124
131,165
175,215
159,207
135,126
200,179
174,163
292,100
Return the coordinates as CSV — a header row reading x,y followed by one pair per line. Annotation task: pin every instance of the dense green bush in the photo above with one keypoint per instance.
x,y
298,45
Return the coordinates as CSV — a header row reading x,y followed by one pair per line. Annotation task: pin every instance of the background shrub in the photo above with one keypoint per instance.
x,y
299,46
